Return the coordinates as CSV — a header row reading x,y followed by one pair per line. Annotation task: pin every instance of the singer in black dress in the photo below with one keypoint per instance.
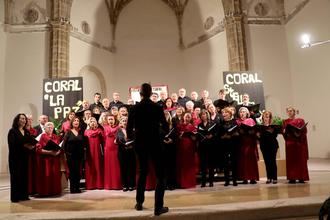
x,y
74,144
206,149
18,159
229,141
269,146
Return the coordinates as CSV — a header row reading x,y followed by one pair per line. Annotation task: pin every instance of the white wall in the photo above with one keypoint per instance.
x,y
310,69
96,15
94,64
3,129
26,65
149,51
147,43
290,5
204,62
84,55
147,47
195,15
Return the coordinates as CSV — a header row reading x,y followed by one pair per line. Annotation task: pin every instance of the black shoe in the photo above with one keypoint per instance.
x,y
211,185
138,207
292,181
274,181
226,184
125,189
203,185
14,200
245,182
130,188
253,182
160,211
268,181
301,181
234,183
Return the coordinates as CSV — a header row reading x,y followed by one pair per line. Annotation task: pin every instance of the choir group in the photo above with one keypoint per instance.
x,y
205,138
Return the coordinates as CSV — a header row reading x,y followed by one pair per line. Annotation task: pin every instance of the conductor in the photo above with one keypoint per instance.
x,y
144,124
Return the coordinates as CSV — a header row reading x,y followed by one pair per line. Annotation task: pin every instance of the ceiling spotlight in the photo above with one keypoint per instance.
x,y
306,41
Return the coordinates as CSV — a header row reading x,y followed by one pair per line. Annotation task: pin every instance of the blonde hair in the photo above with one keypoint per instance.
x,y
228,110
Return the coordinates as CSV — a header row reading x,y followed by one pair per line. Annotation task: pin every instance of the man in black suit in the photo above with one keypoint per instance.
x,y
116,100
223,101
97,102
144,122
43,119
183,99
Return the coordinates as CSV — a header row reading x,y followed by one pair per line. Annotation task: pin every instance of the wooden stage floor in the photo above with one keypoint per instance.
x,y
105,204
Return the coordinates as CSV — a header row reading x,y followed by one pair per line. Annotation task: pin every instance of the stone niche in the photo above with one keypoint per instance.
x,y
23,12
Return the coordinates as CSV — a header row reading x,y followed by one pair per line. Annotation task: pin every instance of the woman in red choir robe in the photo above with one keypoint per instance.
x,y
94,158
196,118
48,164
186,168
112,177
248,152
32,158
169,106
151,178
66,125
296,147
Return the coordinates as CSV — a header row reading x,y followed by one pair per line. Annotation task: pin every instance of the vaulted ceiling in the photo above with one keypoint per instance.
x,y
29,16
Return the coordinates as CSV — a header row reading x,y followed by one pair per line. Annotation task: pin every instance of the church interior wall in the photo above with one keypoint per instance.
x,y
3,129
310,70
26,65
148,50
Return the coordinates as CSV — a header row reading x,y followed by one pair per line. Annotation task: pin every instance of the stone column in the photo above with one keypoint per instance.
x,y
59,38
236,43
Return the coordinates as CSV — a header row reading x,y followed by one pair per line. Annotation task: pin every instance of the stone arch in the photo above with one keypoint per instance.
x,y
30,109
93,81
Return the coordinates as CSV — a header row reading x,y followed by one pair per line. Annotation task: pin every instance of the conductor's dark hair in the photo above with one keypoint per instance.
x,y
97,93
16,119
146,90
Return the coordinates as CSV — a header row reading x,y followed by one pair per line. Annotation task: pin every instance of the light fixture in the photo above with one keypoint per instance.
x,y
306,42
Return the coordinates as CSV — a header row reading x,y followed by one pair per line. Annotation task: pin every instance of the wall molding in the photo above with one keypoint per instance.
x,y
295,11
210,34
89,40
21,28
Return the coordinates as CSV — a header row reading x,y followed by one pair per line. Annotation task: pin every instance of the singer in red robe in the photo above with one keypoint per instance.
x,y
66,125
248,151
94,158
112,177
186,167
296,149
48,165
